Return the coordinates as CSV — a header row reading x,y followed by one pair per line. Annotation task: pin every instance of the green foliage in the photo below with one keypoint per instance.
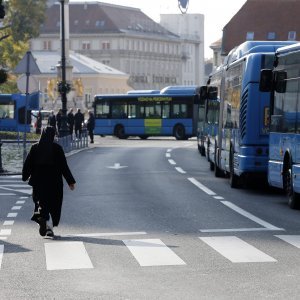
x,y
22,22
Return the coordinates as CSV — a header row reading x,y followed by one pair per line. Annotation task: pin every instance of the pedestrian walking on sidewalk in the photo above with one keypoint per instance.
x,y
45,166
79,120
91,126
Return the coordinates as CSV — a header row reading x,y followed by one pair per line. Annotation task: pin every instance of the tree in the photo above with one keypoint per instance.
x,y
21,23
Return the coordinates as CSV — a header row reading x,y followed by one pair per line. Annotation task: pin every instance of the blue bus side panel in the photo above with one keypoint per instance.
x,y
151,127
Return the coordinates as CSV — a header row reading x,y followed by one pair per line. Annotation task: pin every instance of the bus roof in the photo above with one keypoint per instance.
x,y
287,49
143,92
255,47
180,90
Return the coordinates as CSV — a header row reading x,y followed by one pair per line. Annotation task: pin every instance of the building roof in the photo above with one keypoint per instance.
x,y
262,17
47,62
98,18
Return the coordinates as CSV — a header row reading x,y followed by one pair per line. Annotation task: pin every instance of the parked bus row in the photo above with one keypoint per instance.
x,y
236,135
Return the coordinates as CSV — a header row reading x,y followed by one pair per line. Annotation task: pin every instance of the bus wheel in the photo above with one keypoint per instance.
x,y
143,137
233,179
179,132
120,132
293,197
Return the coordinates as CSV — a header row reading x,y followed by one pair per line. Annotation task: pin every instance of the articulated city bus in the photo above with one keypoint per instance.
x,y
166,114
241,146
12,111
283,81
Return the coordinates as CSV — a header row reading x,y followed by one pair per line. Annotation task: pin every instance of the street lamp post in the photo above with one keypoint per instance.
x,y
63,86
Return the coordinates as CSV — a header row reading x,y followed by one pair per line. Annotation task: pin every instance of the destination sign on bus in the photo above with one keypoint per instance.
x,y
154,99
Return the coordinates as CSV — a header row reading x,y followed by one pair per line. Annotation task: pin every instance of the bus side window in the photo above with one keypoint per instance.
x,y
102,111
165,110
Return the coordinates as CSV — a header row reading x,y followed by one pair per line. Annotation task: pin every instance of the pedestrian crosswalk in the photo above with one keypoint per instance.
x,y
68,255
13,185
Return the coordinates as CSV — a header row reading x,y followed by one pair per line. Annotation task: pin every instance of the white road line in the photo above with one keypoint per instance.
x,y
291,239
7,194
12,215
67,256
178,169
235,230
218,197
24,197
250,216
169,150
8,223
236,250
16,185
152,252
20,202
17,207
1,254
201,186
172,162
168,155
100,234
27,191
5,232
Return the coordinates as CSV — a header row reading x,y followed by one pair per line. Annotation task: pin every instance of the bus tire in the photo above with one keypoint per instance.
x,y
233,179
293,197
143,137
179,132
120,132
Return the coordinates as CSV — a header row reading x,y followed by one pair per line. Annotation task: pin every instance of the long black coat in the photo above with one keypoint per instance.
x,y
46,179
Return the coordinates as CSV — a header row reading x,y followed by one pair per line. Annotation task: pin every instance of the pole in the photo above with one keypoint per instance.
x,y
63,91
26,104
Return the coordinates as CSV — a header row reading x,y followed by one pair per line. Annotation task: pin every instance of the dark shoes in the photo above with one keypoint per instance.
x,y
43,226
49,232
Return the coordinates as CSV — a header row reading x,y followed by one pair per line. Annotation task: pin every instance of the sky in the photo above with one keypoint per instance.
x,y
217,13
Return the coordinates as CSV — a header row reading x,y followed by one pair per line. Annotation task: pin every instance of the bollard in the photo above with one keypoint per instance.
x,y
1,168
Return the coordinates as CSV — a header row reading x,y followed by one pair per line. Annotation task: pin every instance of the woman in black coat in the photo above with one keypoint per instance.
x,y
45,165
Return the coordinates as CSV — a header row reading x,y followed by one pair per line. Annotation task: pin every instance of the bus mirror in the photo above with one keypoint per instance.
x,y
265,82
280,81
203,93
276,123
212,93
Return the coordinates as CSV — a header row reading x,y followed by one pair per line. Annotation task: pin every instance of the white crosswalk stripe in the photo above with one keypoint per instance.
x,y
12,185
291,239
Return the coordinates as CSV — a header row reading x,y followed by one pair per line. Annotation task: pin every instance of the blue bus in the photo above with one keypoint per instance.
x,y
12,111
145,115
242,142
283,81
208,128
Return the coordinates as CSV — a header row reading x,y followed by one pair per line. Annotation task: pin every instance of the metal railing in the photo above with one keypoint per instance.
x,y
70,143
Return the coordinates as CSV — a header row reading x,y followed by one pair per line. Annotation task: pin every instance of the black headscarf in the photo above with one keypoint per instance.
x,y
45,146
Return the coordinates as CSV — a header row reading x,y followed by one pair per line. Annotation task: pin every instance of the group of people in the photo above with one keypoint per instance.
x,y
75,122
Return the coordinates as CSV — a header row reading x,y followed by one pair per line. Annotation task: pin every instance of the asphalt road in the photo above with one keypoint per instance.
x,y
148,220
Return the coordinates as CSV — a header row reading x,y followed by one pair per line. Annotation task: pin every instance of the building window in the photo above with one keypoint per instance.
x,y
271,36
47,45
105,45
86,45
250,36
292,36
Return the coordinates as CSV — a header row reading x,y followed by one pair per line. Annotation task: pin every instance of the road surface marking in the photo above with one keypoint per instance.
x,y
178,169
100,234
250,216
1,254
7,194
20,202
291,239
236,250
219,197
116,166
172,162
67,256
152,252
12,215
202,187
16,207
5,232
235,229
169,150
8,223
168,154
15,185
